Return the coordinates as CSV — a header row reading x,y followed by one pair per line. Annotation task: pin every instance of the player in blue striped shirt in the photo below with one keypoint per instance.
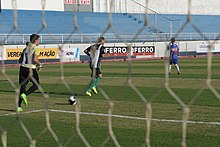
x,y
174,53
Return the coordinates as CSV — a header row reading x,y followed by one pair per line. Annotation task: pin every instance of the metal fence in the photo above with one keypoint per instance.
x,y
88,38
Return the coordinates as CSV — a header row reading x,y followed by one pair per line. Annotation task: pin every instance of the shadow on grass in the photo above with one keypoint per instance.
x,y
62,103
8,110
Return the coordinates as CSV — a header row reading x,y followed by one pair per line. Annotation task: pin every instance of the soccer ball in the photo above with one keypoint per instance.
x,y
72,100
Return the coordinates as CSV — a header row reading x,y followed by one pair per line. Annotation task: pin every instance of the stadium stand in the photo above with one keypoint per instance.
x,y
30,21
62,22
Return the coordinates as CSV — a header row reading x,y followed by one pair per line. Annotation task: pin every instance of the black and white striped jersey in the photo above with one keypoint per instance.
x,y
95,52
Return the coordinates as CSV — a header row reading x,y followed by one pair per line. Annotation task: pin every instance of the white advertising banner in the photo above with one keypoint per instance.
x,y
1,53
217,48
69,54
72,52
204,48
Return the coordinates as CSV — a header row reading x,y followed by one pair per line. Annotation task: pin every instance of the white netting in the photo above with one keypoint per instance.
x,y
185,107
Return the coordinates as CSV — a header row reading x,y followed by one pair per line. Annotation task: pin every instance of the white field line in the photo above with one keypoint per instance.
x,y
27,112
118,116
187,79
157,78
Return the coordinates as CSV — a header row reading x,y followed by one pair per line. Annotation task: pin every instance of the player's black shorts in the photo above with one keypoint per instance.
x,y
96,72
24,75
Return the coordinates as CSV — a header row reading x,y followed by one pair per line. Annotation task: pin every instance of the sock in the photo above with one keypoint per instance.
x,y
177,67
170,68
97,81
19,101
93,84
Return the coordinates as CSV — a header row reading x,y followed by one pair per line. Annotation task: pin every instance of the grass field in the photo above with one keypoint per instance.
x,y
148,78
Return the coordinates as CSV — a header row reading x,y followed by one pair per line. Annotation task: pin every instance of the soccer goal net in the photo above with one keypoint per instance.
x,y
153,91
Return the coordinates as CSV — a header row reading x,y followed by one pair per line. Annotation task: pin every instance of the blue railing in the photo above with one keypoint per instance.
x,y
88,38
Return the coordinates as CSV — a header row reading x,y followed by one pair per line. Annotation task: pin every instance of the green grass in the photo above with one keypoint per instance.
x,y
147,76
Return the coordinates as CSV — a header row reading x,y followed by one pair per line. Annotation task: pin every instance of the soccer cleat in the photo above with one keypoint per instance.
x,y
88,93
19,109
94,90
178,73
24,99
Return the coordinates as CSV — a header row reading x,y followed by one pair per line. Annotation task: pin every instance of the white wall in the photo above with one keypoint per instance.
x,y
211,7
181,6
50,5
205,7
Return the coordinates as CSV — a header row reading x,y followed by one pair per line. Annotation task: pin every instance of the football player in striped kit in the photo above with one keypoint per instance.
x,y
174,53
95,52
29,63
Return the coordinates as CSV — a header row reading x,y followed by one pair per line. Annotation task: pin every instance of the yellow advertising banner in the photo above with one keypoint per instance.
x,y
13,53
48,53
45,53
